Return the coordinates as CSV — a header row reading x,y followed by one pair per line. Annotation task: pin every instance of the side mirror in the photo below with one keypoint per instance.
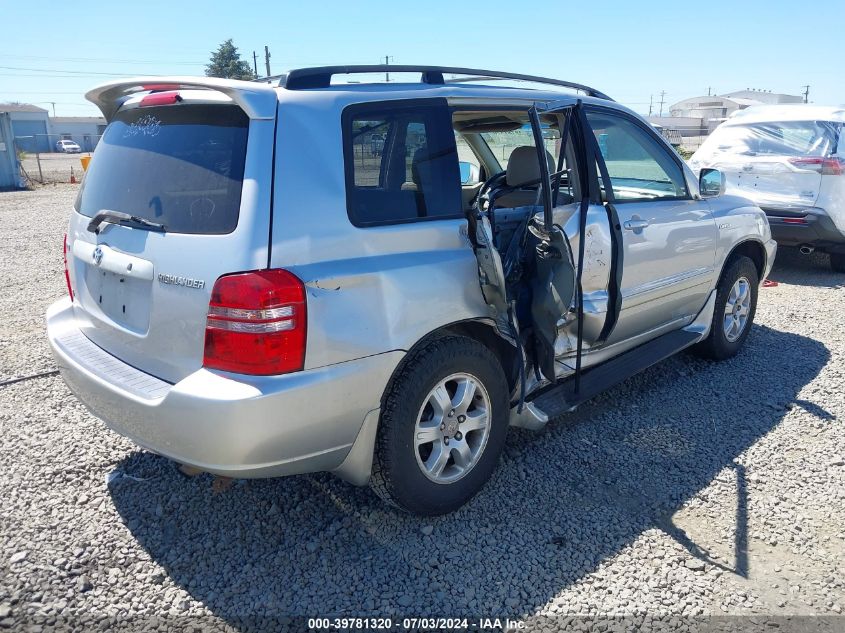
x,y
469,172
711,183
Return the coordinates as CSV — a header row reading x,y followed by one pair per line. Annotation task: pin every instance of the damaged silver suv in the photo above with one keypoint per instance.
x,y
378,279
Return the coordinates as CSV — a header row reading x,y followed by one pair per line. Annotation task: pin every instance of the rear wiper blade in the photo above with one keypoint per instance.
x,y
118,217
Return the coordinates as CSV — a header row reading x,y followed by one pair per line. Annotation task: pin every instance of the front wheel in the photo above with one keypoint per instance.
x,y
837,262
443,426
736,303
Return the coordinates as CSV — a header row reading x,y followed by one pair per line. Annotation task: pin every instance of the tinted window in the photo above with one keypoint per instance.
x,y
792,138
639,166
401,163
181,166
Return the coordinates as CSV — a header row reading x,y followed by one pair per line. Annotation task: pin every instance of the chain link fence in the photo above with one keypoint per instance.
x,y
44,159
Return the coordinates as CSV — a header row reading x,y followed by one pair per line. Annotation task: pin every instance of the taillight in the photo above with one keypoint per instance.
x,y
256,323
67,273
825,166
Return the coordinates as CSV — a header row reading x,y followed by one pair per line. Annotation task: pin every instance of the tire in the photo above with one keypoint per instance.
x,y
725,340
837,262
429,381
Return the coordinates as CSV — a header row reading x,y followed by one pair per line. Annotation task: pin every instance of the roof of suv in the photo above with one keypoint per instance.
x,y
255,96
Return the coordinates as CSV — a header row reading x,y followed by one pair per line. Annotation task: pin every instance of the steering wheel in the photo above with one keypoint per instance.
x,y
484,193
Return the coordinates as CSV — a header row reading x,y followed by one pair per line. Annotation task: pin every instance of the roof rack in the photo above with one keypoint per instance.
x,y
321,76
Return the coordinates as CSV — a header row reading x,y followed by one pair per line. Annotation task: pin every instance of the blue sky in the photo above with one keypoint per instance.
x,y
629,50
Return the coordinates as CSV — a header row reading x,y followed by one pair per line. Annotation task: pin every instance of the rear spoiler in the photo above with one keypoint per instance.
x,y
259,101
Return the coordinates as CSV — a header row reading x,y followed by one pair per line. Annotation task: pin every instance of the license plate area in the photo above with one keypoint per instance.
x,y
122,299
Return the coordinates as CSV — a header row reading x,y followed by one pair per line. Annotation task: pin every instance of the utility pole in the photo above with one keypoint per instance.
x,y
662,94
650,104
255,63
708,91
267,60
53,103
806,93
387,59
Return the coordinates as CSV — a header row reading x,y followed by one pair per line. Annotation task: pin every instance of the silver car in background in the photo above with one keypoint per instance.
x,y
376,280
790,160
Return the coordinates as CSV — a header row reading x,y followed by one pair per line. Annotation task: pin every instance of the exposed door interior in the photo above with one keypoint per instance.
x,y
527,268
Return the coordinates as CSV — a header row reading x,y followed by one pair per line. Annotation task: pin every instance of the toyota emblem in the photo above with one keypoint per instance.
x,y
97,255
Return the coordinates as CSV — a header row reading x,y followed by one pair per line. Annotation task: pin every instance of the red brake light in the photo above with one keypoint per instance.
x,y
825,166
161,98
256,323
67,273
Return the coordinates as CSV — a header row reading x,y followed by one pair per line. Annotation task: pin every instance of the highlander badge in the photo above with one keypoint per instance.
x,y
177,280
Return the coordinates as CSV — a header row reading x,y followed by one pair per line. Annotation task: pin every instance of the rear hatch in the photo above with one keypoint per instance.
x,y
777,165
197,165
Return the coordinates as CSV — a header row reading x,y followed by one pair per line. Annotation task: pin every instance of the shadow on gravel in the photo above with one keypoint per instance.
x,y
560,503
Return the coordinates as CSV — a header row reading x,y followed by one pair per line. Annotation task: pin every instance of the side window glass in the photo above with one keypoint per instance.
x,y
467,162
638,166
368,148
401,163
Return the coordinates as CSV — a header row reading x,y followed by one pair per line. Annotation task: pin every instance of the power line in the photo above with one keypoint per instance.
x,y
104,60
56,70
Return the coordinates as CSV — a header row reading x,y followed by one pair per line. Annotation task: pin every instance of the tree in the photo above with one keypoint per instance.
x,y
226,63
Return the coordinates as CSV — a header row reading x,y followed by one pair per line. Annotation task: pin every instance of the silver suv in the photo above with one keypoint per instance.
x,y
378,279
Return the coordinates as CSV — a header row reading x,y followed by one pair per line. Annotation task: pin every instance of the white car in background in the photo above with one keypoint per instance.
x,y
790,160
68,147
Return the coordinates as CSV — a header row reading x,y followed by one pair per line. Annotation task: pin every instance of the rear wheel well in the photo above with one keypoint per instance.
x,y
485,334
480,331
751,249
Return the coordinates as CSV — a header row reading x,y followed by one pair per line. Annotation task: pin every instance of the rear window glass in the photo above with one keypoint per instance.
x,y
401,163
181,166
789,138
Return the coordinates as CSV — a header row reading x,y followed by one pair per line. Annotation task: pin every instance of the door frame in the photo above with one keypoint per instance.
x,y
589,164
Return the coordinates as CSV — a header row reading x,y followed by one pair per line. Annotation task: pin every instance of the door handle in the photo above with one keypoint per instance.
x,y
635,224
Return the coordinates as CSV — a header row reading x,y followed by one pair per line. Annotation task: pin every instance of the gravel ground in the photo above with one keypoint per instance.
x,y
694,488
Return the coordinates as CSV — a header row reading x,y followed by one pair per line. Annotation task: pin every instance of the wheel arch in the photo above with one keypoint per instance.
x,y
480,330
751,248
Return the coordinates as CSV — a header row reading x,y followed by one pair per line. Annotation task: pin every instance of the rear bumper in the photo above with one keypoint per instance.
x,y
227,424
809,226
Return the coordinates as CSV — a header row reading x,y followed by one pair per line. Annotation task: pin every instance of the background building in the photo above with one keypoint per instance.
x,y
694,118
34,130
85,131
30,126
9,169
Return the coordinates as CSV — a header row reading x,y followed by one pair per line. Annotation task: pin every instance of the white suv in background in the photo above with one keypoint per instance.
x,y
790,160
68,147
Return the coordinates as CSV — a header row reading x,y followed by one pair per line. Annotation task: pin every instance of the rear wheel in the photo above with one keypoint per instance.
x,y
736,303
837,262
443,426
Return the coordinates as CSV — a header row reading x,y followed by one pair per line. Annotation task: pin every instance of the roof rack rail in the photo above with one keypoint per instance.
x,y
321,76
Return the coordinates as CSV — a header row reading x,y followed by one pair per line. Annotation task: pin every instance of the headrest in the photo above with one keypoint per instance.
x,y
524,167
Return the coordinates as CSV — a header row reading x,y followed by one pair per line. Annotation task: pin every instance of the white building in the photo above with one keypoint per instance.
x,y
85,131
694,118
